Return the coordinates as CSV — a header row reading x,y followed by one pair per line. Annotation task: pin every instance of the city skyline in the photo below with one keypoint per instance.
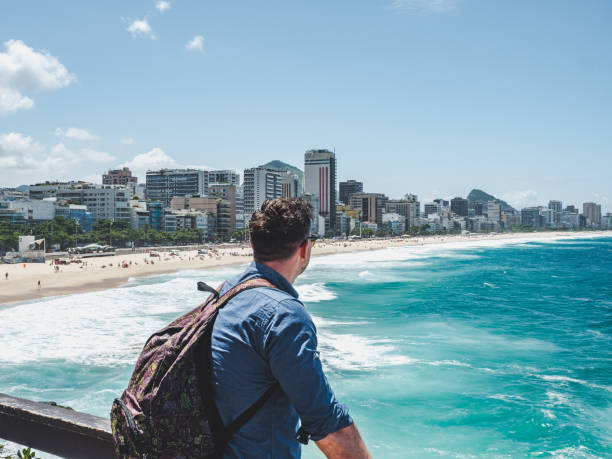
x,y
545,201
437,95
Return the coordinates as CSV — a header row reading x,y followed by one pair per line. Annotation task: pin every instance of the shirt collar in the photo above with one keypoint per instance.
x,y
257,269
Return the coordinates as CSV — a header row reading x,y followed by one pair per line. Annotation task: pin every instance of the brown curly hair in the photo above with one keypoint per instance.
x,y
279,227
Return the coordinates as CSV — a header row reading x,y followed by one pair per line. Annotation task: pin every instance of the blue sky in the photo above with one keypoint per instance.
x,y
432,97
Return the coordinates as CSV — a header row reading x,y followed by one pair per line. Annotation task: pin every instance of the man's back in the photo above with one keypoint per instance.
x,y
260,337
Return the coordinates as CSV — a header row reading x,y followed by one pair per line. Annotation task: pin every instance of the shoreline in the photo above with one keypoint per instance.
x,y
104,273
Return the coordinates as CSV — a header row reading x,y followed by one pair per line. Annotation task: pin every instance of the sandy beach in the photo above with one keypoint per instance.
x,y
100,273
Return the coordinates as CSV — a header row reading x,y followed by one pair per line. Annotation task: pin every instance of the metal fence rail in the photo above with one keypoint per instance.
x,y
54,429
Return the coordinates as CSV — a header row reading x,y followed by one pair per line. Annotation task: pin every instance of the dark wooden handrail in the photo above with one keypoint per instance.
x,y
54,429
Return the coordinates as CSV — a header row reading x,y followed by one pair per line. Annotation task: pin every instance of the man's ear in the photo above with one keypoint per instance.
x,y
304,249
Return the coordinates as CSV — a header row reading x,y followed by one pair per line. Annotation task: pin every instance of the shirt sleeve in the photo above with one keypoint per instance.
x,y
290,343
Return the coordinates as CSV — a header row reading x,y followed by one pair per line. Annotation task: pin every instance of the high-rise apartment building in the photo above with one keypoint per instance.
x,y
165,184
557,209
555,206
477,207
371,205
494,211
290,183
119,177
592,212
414,198
430,208
348,188
224,176
227,192
260,184
459,206
403,207
320,180
530,216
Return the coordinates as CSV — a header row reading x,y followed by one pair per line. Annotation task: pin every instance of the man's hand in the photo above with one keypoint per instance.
x,y
344,443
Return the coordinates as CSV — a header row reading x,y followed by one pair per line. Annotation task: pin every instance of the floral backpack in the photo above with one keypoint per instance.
x,y
167,410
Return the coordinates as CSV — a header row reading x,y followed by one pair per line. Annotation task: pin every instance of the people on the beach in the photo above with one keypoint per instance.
x,y
264,337
6,276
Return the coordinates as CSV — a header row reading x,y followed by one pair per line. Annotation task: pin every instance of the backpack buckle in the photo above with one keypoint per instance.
x,y
302,436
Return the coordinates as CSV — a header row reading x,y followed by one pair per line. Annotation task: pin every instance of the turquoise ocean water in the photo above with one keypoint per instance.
x,y
478,350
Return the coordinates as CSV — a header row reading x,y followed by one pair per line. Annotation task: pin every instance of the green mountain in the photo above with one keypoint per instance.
x,y
281,166
481,196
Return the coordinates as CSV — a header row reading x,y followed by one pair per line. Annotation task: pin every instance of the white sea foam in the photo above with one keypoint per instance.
x,y
322,323
314,293
573,452
451,363
561,378
566,379
99,328
557,398
353,352
507,397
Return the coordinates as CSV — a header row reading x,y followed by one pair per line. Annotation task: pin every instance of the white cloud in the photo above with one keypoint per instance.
x,y
26,161
127,140
426,6
151,160
76,133
520,199
141,28
196,44
24,70
163,5
15,142
154,159
97,156
12,100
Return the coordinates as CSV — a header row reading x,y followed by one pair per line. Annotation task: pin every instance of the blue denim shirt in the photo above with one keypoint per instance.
x,y
262,336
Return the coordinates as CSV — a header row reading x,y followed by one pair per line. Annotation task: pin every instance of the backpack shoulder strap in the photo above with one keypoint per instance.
x,y
241,287
222,433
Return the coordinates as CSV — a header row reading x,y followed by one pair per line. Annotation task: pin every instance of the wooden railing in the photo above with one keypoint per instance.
x,y
53,429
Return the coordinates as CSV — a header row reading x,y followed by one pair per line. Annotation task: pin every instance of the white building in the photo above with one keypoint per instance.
x,y
570,219
260,184
494,211
164,184
34,209
431,208
395,222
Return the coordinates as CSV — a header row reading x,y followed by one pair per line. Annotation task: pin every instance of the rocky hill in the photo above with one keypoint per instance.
x,y
482,196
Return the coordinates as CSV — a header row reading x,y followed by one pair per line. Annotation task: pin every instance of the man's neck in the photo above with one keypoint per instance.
x,y
284,268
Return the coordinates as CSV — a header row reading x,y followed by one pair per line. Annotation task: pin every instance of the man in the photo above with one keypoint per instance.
x,y
264,336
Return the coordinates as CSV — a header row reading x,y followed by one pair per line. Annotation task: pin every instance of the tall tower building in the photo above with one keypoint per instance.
x,y
260,184
348,188
459,206
320,181
556,207
592,212
494,210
